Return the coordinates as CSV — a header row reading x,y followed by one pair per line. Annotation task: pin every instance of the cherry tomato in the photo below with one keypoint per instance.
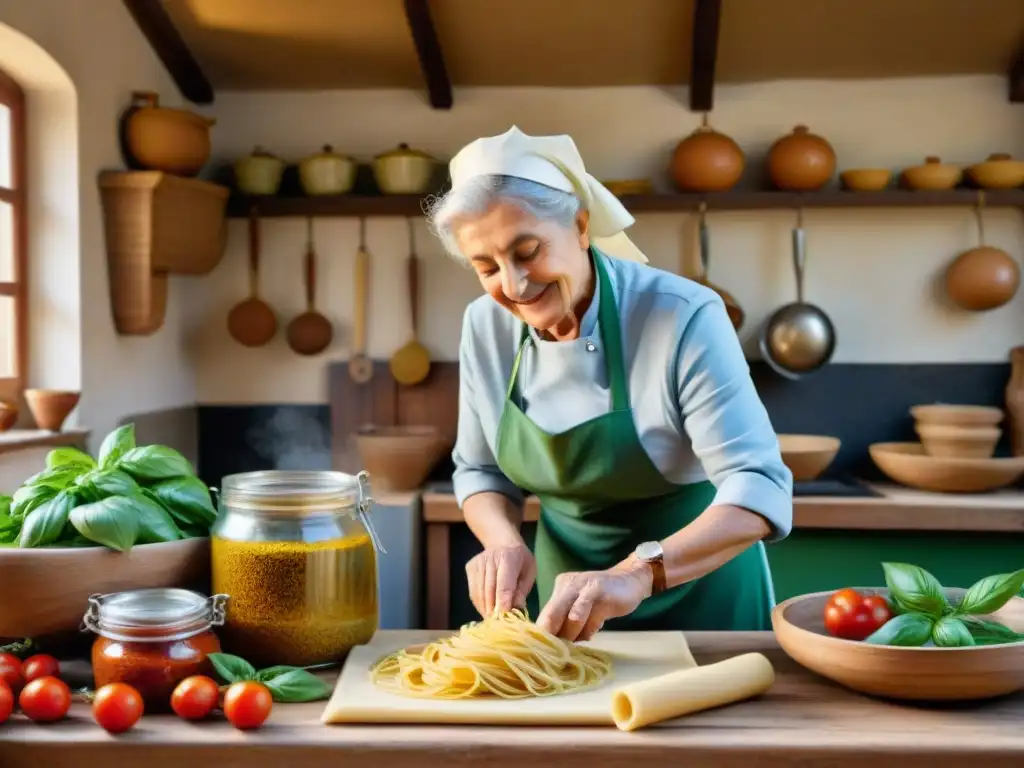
x,y
117,707
6,702
45,699
40,665
247,704
10,672
853,616
195,697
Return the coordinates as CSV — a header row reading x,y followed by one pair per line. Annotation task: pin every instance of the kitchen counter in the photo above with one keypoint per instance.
x,y
802,721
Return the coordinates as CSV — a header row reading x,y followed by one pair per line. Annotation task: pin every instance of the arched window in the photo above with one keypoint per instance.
x,y
13,245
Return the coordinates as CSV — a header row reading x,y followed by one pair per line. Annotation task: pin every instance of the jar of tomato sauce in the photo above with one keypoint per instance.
x,y
153,639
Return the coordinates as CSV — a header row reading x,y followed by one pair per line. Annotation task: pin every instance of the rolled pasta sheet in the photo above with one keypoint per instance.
x,y
691,690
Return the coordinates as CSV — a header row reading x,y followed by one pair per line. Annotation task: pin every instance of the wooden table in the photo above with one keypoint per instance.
x,y
896,509
802,722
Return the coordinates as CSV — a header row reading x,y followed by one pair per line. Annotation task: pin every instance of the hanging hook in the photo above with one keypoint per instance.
x,y
979,218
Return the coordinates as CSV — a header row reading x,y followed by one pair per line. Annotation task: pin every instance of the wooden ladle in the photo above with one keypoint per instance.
x,y
252,322
360,367
411,363
310,333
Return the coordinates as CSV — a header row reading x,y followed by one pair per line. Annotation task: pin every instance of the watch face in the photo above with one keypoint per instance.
x,y
649,550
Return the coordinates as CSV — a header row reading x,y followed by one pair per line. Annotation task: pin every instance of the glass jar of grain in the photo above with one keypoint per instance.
x,y
297,554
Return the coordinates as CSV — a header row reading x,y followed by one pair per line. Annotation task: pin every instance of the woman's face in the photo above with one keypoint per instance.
x,y
536,269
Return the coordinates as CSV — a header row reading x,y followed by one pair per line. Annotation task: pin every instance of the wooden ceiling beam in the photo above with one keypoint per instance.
x,y
165,40
707,15
428,50
1016,77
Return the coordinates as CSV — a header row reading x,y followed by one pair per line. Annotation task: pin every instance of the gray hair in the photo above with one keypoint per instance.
x,y
481,193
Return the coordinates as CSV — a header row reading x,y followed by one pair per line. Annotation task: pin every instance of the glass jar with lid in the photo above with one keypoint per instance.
x,y
297,553
153,639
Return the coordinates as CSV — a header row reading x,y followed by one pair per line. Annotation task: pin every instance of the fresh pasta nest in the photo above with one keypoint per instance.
x,y
505,656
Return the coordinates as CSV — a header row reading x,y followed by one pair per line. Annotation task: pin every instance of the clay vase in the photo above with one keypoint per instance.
x,y
982,278
156,138
801,161
8,415
1015,401
50,407
707,161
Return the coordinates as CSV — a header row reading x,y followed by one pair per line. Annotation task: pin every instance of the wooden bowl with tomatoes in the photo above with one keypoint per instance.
x,y
828,633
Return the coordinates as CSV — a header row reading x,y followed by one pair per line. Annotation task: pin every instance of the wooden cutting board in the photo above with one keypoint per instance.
x,y
636,656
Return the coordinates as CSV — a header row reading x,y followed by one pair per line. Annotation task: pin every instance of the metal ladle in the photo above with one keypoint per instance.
x,y
798,338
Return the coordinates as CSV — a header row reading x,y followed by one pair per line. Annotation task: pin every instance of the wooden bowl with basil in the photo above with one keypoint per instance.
x,y
941,643
130,518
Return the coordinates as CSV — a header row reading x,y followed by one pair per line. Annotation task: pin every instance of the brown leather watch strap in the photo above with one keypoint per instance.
x,y
658,583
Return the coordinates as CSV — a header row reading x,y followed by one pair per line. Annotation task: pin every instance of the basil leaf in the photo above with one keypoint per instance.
x,y
67,456
57,478
951,632
991,593
270,672
231,669
915,590
907,629
296,685
100,483
188,500
155,523
112,522
46,523
5,506
9,527
28,497
986,632
115,445
155,462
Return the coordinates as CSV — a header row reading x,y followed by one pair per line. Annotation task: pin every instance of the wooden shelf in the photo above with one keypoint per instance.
x,y
413,205
22,439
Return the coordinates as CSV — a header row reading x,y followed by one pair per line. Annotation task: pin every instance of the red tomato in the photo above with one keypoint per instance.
x,y
45,699
117,707
40,665
247,704
853,616
195,697
10,672
6,702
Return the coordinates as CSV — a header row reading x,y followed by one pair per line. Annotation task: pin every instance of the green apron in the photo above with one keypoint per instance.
x,y
601,496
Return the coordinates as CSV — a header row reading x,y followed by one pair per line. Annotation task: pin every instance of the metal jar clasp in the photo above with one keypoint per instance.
x,y
363,507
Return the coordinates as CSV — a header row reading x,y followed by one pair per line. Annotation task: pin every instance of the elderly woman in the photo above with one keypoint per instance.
x,y
616,393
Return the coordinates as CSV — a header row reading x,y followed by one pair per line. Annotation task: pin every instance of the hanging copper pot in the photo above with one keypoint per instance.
x,y
707,161
982,278
801,161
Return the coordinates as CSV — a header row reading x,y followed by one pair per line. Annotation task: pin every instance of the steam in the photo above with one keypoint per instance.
x,y
291,438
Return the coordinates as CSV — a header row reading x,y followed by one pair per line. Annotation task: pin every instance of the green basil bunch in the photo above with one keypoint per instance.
x,y
925,615
286,684
127,495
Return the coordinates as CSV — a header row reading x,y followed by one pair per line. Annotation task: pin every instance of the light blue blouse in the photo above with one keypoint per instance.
x,y
695,407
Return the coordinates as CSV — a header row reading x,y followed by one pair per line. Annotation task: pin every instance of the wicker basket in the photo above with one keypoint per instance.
x,y
157,224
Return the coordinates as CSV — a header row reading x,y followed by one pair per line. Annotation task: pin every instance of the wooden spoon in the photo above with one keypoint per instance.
x,y
310,333
252,322
732,307
360,368
411,364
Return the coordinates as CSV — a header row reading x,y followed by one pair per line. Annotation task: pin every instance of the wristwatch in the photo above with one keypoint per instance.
x,y
650,552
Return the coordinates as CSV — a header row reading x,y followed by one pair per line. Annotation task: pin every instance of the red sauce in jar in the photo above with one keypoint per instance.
x,y
152,639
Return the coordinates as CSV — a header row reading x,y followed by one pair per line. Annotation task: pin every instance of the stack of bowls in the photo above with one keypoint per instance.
x,y
958,431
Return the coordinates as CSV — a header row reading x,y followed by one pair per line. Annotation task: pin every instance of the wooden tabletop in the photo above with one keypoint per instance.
x,y
802,722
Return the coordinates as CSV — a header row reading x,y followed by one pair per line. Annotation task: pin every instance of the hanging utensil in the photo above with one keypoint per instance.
x,y
985,277
360,367
798,338
310,333
411,364
252,322
732,307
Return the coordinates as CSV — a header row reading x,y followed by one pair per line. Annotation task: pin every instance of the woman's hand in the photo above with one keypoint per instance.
x,y
500,578
582,602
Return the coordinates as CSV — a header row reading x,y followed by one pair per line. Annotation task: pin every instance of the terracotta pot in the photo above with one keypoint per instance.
x,y
1000,171
161,139
934,174
8,415
982,278
707,161
50,407
801,161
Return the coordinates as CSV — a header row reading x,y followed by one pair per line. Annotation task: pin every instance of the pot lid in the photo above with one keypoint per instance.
x,y
297,492
404,150
156,607
259,151
327,153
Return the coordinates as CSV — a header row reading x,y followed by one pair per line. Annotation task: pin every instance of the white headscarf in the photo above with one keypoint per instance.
x,y
554,161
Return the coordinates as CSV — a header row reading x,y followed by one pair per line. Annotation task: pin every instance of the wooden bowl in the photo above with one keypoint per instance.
x,y
957,415
400,458
953,441
915,674
47,590
999,171
909,465
865,179
50,407
807,456
8,415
